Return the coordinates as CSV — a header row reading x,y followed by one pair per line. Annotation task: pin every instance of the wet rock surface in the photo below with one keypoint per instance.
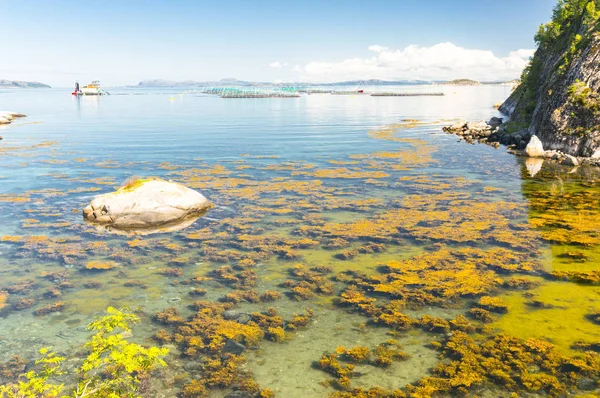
x,y
233,347
146,204
491,133
587,384
7,117
522,142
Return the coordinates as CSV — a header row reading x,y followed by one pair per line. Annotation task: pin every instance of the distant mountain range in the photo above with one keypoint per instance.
x,y
236,82
369,82
21,84
469,82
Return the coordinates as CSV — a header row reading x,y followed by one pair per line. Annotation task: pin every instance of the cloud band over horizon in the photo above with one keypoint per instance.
x,y
443,61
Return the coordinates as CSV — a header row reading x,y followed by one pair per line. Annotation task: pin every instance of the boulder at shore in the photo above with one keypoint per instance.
x,y
7,117
534,149
146,203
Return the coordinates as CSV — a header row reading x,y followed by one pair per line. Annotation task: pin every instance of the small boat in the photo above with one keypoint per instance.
x,y
91,89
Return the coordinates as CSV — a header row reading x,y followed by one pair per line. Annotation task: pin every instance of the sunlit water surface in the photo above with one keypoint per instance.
x,y
317,167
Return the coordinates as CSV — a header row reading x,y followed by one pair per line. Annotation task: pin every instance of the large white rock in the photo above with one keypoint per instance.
x,y
477,126
7,117
146,204
534,149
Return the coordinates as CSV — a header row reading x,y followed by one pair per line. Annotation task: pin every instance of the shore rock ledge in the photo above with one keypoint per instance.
x,y
146,204
8,117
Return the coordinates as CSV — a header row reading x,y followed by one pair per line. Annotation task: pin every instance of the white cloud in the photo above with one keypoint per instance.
x,y
442,61
277,64
377,48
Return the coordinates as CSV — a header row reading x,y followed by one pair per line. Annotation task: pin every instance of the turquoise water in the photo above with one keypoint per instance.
x,y
237,152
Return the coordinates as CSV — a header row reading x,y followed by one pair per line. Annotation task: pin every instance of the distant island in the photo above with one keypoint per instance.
x,y
236,82
21,84
462,82
367,82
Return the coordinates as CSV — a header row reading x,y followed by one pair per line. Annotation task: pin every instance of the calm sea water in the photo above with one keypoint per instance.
x,y
69,149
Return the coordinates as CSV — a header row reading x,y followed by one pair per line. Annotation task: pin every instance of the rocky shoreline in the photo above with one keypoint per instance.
x,y
8,117
521,143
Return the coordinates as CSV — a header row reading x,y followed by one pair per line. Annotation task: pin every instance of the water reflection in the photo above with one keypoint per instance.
x,y
174,226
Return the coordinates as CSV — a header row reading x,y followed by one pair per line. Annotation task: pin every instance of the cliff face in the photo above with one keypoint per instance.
x,y
558,98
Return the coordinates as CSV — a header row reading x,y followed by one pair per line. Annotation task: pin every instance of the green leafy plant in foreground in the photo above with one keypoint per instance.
x,y
112,368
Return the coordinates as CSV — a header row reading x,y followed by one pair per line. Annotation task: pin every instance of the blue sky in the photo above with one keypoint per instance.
x,y
123,42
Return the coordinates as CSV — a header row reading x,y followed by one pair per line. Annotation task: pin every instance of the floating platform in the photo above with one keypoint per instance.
x,y
348,93
309,92
258,95
407,94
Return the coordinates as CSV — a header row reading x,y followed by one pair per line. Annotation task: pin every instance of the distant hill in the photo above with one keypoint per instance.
x,y
462,82
236,82
21,84
192,83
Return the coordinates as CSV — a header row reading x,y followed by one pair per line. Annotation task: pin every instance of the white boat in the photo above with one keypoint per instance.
x,y
91,89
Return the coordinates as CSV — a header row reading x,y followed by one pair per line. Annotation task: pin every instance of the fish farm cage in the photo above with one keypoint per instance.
x,y
297,91
251,92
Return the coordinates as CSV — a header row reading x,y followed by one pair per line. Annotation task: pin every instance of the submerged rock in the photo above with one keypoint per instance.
x,y
570,161
534,149
7,117
233,347
587,384
147,205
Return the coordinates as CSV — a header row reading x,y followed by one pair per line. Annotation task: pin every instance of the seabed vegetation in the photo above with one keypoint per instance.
x,y
381,278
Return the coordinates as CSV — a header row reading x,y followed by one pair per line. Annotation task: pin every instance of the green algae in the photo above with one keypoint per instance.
x,y
558,314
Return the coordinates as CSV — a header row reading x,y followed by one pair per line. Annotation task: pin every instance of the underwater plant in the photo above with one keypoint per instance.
x,y
112,368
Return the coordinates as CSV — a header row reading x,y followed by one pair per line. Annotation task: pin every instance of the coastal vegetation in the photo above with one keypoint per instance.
x,y
558,90
113,367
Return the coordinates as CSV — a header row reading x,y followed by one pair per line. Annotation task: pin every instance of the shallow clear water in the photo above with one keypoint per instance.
x,y
272,167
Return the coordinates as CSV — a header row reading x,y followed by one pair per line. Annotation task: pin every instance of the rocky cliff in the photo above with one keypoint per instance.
x,y
557,99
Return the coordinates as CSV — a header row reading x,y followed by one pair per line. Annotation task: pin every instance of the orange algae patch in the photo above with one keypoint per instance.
x,y
3,298
201,234
6,198
100,265
522,365
137,243
444,217
445,274
387,133
12,239
343,173
567,215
